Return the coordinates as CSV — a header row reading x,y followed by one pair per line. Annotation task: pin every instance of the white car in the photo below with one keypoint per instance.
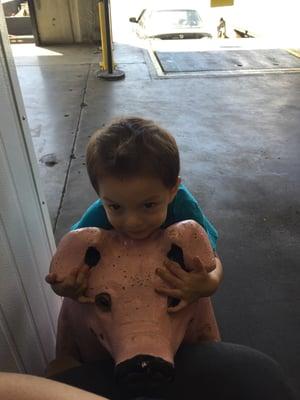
x,y
181,23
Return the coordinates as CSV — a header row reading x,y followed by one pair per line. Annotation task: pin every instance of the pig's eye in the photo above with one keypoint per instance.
x,y
103,301
172,302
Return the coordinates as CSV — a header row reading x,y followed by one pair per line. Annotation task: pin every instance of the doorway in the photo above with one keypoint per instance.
x,y
21,21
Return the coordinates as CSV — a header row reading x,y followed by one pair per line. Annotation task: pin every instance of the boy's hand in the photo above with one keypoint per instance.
x,y
73,286
186,286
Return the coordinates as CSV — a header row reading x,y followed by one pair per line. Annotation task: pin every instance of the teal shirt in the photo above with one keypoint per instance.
x,y
184,206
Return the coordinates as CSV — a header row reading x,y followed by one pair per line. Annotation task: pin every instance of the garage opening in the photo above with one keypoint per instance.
x,y
21,21
190,37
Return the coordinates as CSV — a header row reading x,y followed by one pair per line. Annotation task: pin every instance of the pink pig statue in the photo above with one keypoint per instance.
x,y
129,319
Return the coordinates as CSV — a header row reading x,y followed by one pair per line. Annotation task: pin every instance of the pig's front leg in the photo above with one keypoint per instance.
x,y
203,326
67,352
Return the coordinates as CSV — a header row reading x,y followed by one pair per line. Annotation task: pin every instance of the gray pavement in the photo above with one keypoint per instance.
x,y
239,143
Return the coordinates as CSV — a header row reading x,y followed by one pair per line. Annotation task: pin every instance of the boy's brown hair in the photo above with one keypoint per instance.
x,y
132,147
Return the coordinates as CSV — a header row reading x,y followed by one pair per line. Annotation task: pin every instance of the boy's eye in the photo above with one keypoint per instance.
x,y
114,207
151,204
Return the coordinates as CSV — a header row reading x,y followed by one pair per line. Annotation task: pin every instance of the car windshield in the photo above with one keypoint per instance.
x,y
176,18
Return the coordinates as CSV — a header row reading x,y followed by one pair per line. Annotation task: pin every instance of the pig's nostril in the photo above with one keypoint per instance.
x,y
172,302
92,257
143,373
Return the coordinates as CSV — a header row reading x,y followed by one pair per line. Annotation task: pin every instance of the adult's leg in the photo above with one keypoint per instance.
x,y
28,387
213,371
220,371
96,377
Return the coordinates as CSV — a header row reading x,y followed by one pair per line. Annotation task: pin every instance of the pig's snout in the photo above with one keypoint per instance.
x,y
143,373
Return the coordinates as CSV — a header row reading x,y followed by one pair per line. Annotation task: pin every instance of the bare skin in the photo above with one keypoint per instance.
x,y
28,387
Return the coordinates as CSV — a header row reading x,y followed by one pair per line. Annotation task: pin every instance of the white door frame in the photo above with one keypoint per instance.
x,y
28,307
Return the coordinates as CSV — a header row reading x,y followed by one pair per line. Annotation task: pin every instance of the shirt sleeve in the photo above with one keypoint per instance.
x,y
187,207
94,216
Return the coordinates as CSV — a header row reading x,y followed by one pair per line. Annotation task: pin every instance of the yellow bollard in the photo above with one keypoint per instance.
x,y
103,64
107,67
221,3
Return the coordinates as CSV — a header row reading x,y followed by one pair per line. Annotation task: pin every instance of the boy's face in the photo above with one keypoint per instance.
x,y
136,206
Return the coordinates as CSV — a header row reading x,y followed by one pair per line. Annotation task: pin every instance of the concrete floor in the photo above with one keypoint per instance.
x,y
239,143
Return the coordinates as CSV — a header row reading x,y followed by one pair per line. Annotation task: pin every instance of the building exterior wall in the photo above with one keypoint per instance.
x,y
67,21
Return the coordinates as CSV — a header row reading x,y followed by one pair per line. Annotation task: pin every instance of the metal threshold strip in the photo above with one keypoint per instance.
x,y
206,64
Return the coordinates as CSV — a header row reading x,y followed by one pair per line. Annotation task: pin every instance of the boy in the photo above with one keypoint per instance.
x,y
133,165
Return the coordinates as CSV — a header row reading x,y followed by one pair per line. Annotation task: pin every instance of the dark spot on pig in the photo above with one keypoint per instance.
x,y
176,254
119,256
92,257
123,287
172,302
103,302
136,308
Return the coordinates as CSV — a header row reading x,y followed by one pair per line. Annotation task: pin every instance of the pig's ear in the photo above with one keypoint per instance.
x,y
192,241
77,248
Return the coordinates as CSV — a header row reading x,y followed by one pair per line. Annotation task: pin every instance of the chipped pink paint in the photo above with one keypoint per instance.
x,y
138,322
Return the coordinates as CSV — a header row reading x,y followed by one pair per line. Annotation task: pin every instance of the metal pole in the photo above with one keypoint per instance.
x,y
107,70
108,36
104,62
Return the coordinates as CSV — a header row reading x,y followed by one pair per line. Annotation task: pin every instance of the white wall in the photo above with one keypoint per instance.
x,y
28,308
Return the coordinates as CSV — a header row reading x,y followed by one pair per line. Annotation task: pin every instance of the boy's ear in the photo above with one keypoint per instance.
x,y
174,189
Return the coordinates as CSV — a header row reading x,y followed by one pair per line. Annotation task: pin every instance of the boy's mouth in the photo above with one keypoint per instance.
x,y
139,234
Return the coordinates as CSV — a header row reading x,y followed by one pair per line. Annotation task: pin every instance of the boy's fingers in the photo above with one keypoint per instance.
x,y
169,277
50,278
74,272
175,269
83,274
169,292
85,299
199,266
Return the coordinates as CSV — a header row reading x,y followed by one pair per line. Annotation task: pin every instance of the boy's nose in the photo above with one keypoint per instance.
x,y
133,222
